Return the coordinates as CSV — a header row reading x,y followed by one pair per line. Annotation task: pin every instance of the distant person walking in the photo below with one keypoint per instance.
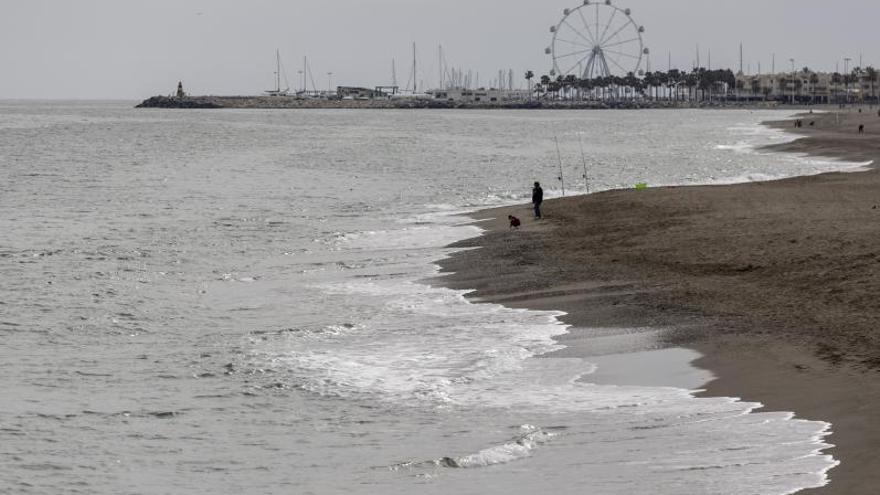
x,y
537,199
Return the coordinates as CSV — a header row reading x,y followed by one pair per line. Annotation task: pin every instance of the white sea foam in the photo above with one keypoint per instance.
x,y
531,437
412,237
740,147
481,358
756,136
423,347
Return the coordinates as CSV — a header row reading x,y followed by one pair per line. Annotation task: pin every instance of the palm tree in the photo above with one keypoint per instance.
x,y
855,78
545,85
602,83
673,80
814,80
539,89
804,77
727,79
630,82
704,82
618,83
529,76
608,87
663,81
652,81
556,86
690,82
836,79
871,73
587,86
569,82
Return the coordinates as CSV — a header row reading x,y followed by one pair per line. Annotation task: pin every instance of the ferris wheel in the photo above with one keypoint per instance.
x,y
597,39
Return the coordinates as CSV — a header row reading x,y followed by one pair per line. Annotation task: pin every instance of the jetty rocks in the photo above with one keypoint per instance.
x,y
179,102
293,102
281,102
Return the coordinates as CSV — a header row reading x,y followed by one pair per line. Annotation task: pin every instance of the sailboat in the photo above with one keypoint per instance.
x,y
278,91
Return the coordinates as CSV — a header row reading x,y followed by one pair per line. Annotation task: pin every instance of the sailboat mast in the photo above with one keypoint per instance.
x,y
440,66
415,74
277,70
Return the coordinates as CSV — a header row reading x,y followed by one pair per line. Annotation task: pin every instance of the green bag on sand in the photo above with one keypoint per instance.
x,y
641,186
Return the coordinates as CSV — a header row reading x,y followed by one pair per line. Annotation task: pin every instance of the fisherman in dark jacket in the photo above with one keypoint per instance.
x,y
537,199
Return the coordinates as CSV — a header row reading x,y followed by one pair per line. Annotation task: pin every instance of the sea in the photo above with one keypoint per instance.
x,y
237,302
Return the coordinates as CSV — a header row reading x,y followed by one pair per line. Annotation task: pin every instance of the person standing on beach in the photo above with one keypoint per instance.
x,y
537,199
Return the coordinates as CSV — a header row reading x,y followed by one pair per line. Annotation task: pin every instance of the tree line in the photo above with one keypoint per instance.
x,y
702,84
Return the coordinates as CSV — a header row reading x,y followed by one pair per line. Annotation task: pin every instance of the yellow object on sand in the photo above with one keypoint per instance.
x,y
641,186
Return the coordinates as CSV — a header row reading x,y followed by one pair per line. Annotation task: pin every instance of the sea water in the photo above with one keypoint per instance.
x,y
232,301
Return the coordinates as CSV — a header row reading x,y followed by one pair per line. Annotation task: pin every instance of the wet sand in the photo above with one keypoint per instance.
x,y
777,284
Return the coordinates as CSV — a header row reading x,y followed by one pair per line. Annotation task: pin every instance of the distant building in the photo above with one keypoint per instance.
x,y
478,95
805,87
388,90
180,92
359,93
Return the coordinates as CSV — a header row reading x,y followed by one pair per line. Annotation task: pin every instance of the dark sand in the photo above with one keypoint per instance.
x,y
776,283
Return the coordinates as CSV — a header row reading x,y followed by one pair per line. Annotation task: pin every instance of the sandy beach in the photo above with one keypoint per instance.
x,y
774,283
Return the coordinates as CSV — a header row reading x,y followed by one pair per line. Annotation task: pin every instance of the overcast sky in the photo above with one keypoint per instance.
x,y
131,49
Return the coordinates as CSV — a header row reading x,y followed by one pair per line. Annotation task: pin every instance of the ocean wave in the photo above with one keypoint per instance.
x,y
518,448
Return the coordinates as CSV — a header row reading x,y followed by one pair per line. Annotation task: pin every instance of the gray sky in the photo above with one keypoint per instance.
x,y
129,49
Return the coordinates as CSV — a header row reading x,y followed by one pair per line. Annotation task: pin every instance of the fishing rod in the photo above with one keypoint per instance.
x,y
584,161
559,155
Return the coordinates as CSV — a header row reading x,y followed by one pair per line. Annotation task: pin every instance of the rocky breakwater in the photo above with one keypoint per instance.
x,y
282,102
180,102
293,102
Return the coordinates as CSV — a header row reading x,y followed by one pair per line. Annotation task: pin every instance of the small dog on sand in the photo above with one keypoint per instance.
x,y
514,222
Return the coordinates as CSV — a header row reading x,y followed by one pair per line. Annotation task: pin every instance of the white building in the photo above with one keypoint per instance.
x,y
805,87
481,95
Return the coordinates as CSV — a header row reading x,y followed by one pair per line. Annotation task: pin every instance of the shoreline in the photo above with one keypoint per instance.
x,y
777,298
